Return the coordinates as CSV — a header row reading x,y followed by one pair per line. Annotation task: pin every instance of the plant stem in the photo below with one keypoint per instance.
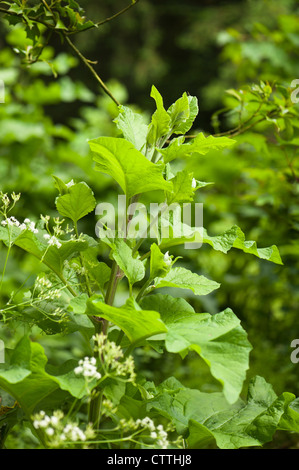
x,y
89,290
143,289
90,67
100,23
5,265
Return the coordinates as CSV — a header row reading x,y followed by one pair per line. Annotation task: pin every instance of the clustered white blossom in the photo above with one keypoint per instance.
x,y
13,222
30,226
157,433
111,356
57,433
26,225
87,367
52,241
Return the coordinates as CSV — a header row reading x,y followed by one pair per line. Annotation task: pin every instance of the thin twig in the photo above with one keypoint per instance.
x,y
94,73
100,23
12,13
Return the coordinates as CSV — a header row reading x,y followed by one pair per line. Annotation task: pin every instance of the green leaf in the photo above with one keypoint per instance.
x,y
36,245
77,203
27,381
235,238
158,266
184,279
132,126
200,145
231,238
181,404
182,188
133,268
161,120
98,272
290,419
218,339
30,384
68,380
136,323
210,420
183,113
179,112
129,167
61,186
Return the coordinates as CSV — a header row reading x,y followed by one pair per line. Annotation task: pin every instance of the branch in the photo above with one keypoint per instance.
x,y
100,23
94,73
12,13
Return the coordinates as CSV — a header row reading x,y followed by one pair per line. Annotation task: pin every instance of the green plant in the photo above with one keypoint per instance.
x,y
102,401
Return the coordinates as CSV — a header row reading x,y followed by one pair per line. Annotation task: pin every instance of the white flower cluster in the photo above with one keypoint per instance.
x,y
30,226
43,421
73,433
57,432
26,225
158,433
111,354
52,241
87,367
13,222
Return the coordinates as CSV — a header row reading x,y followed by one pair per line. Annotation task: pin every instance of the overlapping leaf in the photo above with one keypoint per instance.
x,y
184,279
208,420
218,339
138,324
129,167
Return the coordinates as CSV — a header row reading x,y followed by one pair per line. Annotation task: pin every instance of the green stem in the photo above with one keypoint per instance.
x,y
100,23
64,281
143,289
95,410
5,265
89,290
90,67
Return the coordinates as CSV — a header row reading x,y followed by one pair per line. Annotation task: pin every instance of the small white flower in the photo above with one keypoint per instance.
x,y
194,183
54,420
167,259
87,368
53,241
